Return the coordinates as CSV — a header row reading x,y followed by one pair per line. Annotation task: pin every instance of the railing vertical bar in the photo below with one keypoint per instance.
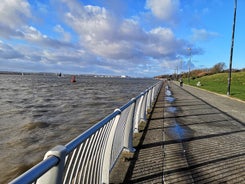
x,y
82,153
91,158
106,136
107,154
96,155
75,164
80,156
102,148
79,159
85,162
71,160
88,158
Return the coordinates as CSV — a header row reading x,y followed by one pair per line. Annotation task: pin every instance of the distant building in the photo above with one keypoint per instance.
x,y
123,76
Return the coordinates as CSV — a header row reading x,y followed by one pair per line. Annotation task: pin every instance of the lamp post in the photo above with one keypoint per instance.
x,y
231,53
189,49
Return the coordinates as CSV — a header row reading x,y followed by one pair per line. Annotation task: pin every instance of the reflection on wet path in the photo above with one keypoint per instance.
x,y
169,99
176,130
172,109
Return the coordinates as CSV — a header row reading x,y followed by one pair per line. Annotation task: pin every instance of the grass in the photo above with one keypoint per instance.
x,y
218,83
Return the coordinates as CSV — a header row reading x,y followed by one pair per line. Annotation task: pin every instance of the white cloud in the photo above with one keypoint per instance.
x,y
8,52
65,35
14,18
34,36
203,35
164,9
108,37
105,43
13,14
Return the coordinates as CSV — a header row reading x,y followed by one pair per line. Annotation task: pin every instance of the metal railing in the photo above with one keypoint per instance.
x,y
90,157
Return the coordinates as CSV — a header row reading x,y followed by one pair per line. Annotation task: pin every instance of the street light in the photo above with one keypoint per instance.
x,y
189,49
231,53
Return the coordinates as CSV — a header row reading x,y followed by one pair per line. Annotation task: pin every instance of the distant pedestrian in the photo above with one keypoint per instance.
x,y
181,82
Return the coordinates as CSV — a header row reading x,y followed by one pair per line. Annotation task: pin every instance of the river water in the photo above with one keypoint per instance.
x,y
38,112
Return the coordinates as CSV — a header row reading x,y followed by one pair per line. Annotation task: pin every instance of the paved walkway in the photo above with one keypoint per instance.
x,y
192,136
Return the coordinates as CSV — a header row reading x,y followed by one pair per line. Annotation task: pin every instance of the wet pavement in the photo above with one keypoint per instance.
x,y
192,136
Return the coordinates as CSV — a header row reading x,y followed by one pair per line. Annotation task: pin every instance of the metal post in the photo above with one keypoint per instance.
x,y
143,109
129,129
189,66
149,101
139,116
54,175
231,53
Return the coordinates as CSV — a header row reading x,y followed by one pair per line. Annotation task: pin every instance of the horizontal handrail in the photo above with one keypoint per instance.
x,y
90,157
75,142
37,171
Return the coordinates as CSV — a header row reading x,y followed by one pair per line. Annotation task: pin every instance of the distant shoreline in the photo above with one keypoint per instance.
x,y
25,73
57,74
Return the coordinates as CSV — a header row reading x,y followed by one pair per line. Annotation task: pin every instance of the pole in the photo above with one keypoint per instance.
x,y
189,66
231,53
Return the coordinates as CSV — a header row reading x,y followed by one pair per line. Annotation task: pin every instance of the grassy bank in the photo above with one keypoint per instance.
x,y
218,83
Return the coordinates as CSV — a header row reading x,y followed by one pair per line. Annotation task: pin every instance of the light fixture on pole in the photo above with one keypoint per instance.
x,y
231,53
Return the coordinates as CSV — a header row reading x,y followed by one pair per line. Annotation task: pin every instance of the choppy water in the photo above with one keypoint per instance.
x,y
38,112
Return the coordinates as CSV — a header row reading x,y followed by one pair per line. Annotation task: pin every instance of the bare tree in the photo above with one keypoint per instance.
x,y
219,67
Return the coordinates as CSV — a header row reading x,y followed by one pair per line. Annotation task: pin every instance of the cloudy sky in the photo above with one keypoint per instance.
x,y
140,38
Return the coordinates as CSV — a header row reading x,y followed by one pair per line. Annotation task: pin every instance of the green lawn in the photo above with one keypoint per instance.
x,y
218,83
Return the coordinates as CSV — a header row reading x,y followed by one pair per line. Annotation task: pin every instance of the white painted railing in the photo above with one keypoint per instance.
x,y
90,157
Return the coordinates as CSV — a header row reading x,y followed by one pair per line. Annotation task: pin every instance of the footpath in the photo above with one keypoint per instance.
x,y
192,136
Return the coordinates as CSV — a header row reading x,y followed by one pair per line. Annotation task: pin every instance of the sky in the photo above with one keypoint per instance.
x,y
137,38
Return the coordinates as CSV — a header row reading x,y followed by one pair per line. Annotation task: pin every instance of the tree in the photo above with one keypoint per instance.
x,y
219,67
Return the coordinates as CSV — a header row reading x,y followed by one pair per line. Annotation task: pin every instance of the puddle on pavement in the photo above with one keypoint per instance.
x,y
168,92
172,109
169,99
178,131
168,95
175,130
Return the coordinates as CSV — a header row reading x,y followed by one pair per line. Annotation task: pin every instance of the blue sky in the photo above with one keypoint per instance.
x,y
119,37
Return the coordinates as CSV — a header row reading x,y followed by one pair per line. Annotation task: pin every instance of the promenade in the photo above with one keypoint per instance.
x,y
192,136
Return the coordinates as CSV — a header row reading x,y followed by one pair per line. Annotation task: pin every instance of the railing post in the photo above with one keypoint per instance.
x,y
54,175
144,109
153,94
140,113
149,100
129,130
107,154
